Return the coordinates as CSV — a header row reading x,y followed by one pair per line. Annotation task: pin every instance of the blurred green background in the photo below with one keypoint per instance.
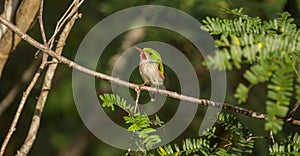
x,y
62,129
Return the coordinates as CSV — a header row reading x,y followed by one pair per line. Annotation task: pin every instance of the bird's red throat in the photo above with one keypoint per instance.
x,y
143,56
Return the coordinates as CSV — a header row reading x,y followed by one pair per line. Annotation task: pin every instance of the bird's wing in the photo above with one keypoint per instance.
x,y
161,70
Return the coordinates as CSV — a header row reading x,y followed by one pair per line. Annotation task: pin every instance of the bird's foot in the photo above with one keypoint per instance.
x,y
142,85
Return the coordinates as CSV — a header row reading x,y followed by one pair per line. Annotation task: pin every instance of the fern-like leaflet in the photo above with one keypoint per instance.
x,y
269,49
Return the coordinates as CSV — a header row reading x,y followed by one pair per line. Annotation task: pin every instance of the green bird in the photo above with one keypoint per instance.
x,y
151,68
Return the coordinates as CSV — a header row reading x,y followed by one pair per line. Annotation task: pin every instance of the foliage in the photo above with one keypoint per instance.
x,y
270,50
298,89
60,115
142,125
227,137
236,141
110,100
139,124
289,146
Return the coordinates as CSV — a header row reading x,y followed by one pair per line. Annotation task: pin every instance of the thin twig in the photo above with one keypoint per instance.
x,y
296,72
292,112
20,108
272,137
11,95
35,124
29,88
258,137
136,107
41,23
25,96
120,82
67,15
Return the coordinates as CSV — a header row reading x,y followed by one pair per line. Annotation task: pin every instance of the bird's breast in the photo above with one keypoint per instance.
x,y
150,73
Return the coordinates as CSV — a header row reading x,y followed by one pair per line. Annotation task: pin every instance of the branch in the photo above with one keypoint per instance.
x,y
11,95
20,107
7,13
33,82
41,23
293,111
66,16
35,124
80,68
23,18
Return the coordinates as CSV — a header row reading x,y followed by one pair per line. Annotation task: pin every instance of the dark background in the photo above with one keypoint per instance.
x,y
61,127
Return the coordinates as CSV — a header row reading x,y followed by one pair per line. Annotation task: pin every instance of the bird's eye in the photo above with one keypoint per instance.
x,y
150,54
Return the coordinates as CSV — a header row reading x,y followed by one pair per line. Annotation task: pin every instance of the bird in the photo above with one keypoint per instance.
x,y
151,68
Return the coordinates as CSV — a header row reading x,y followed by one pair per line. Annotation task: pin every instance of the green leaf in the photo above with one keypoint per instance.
x,y
288,146
241,93
240,145
279,94
297,88
138,123
110,100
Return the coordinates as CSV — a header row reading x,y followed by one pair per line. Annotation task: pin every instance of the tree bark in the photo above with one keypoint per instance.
x,y
24,17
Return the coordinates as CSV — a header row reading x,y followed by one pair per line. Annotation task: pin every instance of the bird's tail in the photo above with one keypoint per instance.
x,y
153,95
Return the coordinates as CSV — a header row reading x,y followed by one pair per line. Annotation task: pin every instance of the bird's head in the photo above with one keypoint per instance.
x,y
149,54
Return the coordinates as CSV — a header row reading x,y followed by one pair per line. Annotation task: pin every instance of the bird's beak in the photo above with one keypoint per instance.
x,y
139,49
